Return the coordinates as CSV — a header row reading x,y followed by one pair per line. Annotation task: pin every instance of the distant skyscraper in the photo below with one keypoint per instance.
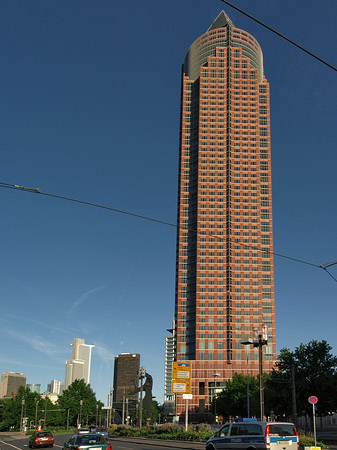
x,y
78,368
10,383
126,381
224,277
55,387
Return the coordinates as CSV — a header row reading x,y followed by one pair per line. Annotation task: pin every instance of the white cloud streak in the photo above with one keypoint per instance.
x,y
82,298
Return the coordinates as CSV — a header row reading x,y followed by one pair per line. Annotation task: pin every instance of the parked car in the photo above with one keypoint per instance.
x,y
254,435
103,431
41,439
87,441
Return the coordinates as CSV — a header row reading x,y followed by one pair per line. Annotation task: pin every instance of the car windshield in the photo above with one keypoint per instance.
x,y
89,439
282,429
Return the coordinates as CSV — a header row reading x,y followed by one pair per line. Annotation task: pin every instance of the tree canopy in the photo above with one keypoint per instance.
x,y
315,369
72,397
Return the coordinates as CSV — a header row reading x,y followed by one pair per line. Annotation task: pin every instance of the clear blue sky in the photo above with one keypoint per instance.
x,y
90,109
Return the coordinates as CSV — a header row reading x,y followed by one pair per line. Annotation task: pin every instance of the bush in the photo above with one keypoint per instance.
x,y
167,431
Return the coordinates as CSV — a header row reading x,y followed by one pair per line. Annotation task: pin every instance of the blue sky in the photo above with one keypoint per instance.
x,y
90,109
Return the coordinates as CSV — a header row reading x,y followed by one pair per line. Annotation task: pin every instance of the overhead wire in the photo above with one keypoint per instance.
x,y
321,266
162,222
280,35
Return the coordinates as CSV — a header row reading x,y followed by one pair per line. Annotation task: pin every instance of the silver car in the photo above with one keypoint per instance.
x,y
255,435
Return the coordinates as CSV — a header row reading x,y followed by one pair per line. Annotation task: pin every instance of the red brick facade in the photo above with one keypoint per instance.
x,y
225,281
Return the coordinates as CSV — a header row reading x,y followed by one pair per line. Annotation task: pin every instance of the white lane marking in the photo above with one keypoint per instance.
x,y
7,443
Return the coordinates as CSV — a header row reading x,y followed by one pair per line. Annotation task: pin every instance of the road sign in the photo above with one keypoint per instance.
x,y
181,371
313,399
187,396
181,387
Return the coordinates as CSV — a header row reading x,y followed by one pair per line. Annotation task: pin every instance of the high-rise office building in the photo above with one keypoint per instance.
x,y
10,383
78,368
55,387
126,381
224,277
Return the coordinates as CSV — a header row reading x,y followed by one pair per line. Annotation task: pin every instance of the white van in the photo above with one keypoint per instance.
x,y
254,435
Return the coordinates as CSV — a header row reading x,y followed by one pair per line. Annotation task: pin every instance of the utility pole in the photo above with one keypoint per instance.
x,y
68,420
123,408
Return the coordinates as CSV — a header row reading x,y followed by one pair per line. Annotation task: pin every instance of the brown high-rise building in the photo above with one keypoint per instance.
x,y
10,383
126,381
224,278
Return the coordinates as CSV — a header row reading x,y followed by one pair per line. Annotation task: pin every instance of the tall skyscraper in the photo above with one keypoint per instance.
x,y
126,381
10,383
224,277
78,368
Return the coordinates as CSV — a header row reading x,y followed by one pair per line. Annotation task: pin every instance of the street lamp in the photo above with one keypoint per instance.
x,y
21,419
249,342
259,340
80,418
45,411
215,375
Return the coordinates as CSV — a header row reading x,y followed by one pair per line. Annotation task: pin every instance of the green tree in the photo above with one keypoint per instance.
x,y
71,399
232,401
315,374
25,402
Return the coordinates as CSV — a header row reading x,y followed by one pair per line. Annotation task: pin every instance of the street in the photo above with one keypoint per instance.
x,y
10,442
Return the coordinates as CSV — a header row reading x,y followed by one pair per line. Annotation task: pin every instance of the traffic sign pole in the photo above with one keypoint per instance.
x,y
313,400
314,419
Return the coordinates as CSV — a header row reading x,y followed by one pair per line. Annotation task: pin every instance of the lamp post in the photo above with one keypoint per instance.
x,y
259,340
36,405
249,342
80,418
21,419
215,375
45,411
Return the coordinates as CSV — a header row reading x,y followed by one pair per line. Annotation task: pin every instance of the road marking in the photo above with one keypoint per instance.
x,y
14,446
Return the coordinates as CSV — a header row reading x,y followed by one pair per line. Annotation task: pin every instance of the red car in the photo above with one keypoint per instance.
x,y
41,439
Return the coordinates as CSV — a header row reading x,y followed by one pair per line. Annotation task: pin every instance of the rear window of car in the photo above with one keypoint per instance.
x,y
44,434
246,429
89,439
282,429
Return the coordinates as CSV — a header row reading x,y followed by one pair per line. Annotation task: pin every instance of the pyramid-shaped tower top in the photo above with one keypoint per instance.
x,y
221,21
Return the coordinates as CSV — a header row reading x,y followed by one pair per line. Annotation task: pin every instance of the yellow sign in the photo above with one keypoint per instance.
x,y
181,371
181,387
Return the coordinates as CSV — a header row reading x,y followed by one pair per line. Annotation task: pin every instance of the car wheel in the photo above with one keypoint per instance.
x,y
210,447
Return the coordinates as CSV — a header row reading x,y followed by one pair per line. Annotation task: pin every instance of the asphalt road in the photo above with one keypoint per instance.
x,y
11,442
